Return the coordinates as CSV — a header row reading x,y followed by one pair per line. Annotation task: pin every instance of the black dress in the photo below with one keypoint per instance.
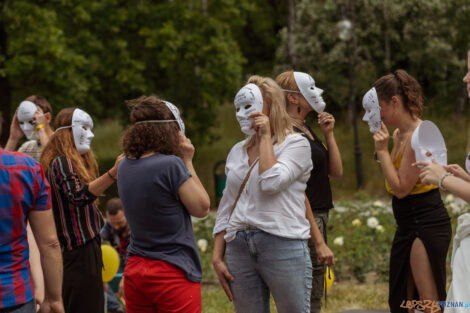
x,y
422,216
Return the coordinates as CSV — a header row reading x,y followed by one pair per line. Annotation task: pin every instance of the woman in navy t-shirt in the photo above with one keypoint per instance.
x,y
159,189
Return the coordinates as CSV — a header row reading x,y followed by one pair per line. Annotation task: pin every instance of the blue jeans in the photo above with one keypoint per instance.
x,y
262,263
28,307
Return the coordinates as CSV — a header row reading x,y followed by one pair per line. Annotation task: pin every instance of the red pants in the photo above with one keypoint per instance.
x,y
158,286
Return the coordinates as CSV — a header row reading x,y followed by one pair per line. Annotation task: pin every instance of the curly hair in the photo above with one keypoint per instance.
x,y
141,138
401,84
62,143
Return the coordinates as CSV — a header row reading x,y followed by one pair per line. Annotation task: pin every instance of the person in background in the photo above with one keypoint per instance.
x,y
25,197
326,163
72,171
117,232
419,248
36,117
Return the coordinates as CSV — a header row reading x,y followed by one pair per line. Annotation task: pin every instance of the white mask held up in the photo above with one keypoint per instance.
x,y
370,102
248,100
311,93
27,123
82,124
428,143
176,114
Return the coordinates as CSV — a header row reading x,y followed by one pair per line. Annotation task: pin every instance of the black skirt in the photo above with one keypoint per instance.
x,y
422,216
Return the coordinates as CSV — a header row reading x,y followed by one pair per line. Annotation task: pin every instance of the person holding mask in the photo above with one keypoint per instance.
x,y
261,225
160,191
326,162
419,249
72,172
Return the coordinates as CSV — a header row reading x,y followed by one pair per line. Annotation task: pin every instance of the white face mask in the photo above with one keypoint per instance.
x,y
428,143
370,102
467,163
82,124
176,114
25,115
311,93
248,100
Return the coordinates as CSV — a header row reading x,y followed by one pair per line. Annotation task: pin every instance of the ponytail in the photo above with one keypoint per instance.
x,y
403,85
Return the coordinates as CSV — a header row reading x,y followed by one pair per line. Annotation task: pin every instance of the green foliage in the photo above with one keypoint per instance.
x,y
427,38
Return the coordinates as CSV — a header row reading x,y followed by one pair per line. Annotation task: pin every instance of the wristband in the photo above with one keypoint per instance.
x,y
38,127
112,177
442,179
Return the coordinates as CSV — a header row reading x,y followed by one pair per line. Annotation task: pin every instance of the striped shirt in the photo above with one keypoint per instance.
x,y
76,215
23,188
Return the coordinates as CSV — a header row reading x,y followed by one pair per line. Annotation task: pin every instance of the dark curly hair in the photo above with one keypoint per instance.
x,y
401,84
142,138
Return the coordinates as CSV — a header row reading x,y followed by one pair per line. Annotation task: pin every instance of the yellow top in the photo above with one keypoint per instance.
x,y
419,187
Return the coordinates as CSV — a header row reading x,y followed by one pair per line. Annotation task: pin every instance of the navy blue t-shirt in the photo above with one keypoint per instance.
x,y
160,225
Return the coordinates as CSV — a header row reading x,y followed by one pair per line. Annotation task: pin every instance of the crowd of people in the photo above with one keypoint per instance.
x,y
270,234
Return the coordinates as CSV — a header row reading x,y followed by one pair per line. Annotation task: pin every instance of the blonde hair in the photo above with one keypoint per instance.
x,y
281,122
62,143
286,81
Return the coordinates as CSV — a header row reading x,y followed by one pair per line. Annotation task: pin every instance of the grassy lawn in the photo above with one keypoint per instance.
x,y
345,295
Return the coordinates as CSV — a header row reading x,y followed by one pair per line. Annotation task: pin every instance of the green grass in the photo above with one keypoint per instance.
x,y
346,295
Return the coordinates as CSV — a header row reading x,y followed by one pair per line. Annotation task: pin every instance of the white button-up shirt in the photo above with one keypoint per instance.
x,y
273,201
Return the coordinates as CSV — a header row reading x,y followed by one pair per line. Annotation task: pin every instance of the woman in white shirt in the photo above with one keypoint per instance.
x,y
261,224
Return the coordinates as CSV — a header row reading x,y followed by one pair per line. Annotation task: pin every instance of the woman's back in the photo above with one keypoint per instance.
x,y
160,224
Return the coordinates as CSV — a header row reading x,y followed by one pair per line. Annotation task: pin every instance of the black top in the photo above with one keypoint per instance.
x,y
318,186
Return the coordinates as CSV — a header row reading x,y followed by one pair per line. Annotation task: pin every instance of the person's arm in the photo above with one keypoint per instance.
x,y
41,127
43,227
67,180
403,180
42,224
335,164
431,174
192,193
220,267
261,125
15,134
36,269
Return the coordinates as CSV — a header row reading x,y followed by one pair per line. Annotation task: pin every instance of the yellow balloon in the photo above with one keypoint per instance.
x,y
329,278
110,263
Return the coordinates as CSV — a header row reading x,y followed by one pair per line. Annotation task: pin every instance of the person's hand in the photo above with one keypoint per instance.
x,y
224,277
430,172
105,287
381,138
458,171
327,122
52,307
114,169
260,124
325,255
187,148
40,117
121,288
15,131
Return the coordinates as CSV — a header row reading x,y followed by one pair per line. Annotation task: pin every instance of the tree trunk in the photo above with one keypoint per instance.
x,y
291,34
386,36
204,8
5,90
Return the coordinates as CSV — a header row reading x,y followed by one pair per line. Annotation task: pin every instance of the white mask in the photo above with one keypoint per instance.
x,y
248,100
176,114
428,143
25,115
467,163
82,124
370,102
311,93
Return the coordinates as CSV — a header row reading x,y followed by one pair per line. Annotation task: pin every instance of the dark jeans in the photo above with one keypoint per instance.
x,y
318,270
82,289
28,307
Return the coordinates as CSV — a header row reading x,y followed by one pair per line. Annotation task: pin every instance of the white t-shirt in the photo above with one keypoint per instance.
x,y
273,201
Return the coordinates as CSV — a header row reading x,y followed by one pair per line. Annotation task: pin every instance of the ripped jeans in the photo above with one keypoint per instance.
x,y
261,264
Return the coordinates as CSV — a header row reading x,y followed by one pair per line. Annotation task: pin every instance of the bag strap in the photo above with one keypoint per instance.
x,y
242,186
